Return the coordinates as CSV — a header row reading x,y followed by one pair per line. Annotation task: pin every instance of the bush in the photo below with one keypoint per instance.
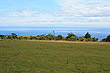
x,y
94,39
73,38
104,40
88,39
81,38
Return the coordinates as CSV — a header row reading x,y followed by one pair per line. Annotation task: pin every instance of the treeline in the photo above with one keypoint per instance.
x,y
106,39
69,37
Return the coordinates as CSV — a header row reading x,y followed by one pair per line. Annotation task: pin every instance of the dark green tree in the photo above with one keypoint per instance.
x,y
108,38
87,35
60,37
14,36
54,34
70,35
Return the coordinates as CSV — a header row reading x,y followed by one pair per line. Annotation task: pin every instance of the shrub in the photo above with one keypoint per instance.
x,y
73,38
88,39
81,38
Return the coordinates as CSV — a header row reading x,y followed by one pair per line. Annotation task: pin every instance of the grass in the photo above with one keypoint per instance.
x,y
54,57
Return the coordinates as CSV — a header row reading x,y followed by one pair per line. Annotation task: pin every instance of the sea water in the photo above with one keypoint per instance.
x,y
98,32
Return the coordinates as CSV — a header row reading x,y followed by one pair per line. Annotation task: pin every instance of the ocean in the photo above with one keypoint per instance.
x,y
98,32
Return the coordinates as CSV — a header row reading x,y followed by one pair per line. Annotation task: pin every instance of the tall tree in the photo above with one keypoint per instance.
x,y
87,35
54,34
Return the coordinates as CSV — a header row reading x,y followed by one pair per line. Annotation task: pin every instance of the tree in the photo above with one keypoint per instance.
x,y
87,35
60,37
97,39
14,36
54,34
70,35
108,38
50,37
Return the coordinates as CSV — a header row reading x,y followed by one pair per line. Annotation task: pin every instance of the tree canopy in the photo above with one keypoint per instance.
x,y
87,35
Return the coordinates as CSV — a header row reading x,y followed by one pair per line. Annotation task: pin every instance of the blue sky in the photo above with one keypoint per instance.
x,y
55,13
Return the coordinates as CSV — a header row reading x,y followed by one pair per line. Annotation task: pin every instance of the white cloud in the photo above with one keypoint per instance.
x,y
21,14
72,12
67,3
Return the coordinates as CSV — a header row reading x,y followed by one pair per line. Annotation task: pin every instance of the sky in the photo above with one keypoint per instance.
x,y
55,13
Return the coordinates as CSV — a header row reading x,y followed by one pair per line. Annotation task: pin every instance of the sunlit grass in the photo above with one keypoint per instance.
x,y
54,57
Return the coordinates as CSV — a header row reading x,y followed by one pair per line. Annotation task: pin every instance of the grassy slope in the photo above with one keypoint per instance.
x,y
54,57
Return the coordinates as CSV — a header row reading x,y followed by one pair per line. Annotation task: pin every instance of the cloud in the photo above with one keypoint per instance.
x,y
68,3
71,12
92,3
96,12
32,9
23,12
76,8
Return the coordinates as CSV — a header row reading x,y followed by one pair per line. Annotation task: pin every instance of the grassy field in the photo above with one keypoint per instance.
x,y
54,57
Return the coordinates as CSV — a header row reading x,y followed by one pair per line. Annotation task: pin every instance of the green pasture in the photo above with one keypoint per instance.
x,y
54,57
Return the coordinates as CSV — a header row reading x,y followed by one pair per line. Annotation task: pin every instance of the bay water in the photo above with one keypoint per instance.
x,y
98,32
